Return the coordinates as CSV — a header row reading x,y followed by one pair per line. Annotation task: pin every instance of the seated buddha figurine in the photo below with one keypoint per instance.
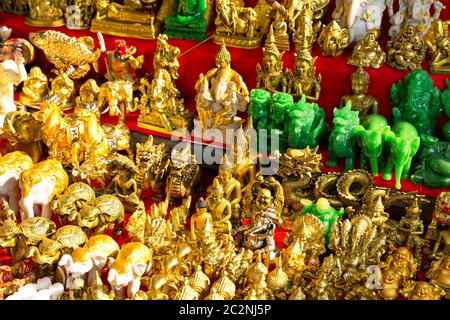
x,y
202,224
121,63
441,60
304,81
361,101
125,20
64,88
189,19
35,88
407,50
220,94
46,13
367,51
220,208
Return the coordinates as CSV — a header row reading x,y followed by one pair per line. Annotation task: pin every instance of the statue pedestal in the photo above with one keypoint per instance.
x,y
221,135
152,121
44,23
123,29
238,41
185,33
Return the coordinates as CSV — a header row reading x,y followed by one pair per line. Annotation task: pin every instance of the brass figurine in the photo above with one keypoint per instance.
x,y
46,13
279,26
35,88
121,64
220,208
440,63
304,35
64,87
333,39
304,80
367,52
439,274
438,30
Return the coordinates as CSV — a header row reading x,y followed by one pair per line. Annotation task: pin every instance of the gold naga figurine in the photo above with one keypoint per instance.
x,y
125,20
46,13
34,89
367,51
333,39
161,105
304,80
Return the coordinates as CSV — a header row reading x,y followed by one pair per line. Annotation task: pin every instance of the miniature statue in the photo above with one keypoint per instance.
x,y
35,88
46,13
236,26
360,101
161,104
64,87
190,19
412,12
438,228
438,31
439,274
304,35
415,99
304,81
121,63
402,144
202,224
279,27
318,8
342,141
79,14
19,7
359,16
220,209
271,77
441,60
333,39
407,50
119,96
367,51
421,290
124,20
220,94
67,52
87,98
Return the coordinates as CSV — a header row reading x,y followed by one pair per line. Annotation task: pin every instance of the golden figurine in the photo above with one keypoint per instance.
x,y
278,280
390,285
64,88
407,50
67,53
46,13
361,101
202,223
87,98
271,77
402,263
437,31
124,20
421,290
161,105
187,292
367,52
220,208
236,26
304,80
221,93
121,63
438,228
318,8
35,88
225,286
200,281
304,34
439,274
333,39
279,26
440,63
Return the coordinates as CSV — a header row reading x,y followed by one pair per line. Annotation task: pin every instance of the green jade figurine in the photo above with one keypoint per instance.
x,y
189,20
446,102
342,141
281,102
259,108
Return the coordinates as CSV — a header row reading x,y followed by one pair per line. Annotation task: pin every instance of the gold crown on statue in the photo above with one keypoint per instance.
x,y
223,53
304,55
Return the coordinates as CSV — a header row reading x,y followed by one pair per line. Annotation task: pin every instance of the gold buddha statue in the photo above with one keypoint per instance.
x,y
367,51
304,81
279,26
220,208
46,13
202,223
35,88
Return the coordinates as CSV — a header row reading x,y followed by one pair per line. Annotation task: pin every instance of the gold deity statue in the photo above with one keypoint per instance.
x,y
35,88
121,64
279,26
220,208
333,39
437,31
125,20
64,88
361,101
304,34
202,224
46,13
367,51
441,61
304,81
271,77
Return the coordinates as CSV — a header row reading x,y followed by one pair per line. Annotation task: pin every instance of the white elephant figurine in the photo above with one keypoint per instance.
x,y
11,166
12,72
82,266
39,185
43,289
133,261
359,16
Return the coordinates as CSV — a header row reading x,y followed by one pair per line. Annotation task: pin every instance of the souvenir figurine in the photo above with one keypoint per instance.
x,y
118,94
220,208
412,12
439,274
271,77
202,225
35,88
333,39
367,51
359,16
188,19
79,14
304,80
19,7
438,228
236,26
161,105
440,63
39,185
220,94
88,96
409,104
121,63
318,8
64,87
279,27
438,30
46,13
67,52
407,50
11,166
43,289
360,101
390,285
421,290
124,20
304,34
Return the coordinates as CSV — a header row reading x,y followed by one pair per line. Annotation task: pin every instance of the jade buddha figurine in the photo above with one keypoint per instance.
x,y
35,88
189,19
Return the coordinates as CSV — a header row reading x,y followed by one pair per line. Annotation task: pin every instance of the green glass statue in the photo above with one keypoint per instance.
x,y
432,163
259,108
325,212
446,102
342,141
402,144
305,125
416,100
369,136
281,102
189,20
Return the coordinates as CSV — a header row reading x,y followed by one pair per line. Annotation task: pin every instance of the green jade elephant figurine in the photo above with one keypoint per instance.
x,y
402,144
342,142
370,138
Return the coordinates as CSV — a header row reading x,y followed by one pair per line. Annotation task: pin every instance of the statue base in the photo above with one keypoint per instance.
x,y
282,43
238,41
440,70
152,121
186,33
222,135
44,23
123,29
